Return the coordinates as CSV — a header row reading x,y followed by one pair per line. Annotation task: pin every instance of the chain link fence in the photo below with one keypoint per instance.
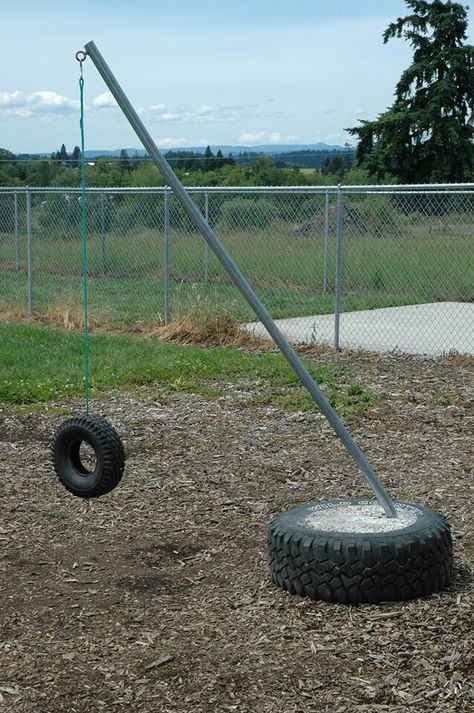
x,y
380,268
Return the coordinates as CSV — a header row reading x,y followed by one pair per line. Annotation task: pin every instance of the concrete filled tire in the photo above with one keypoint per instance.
x,y
88,456
348,551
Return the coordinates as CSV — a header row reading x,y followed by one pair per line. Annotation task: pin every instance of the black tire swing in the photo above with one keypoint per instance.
x,y
80,472
72,461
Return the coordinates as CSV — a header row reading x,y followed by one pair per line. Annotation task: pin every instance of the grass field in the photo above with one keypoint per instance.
x,y
40,364
126,272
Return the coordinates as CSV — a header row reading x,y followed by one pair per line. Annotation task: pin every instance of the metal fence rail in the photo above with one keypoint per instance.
x,y
364,267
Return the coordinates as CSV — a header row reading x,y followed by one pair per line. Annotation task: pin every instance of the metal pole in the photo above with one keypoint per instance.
x,y
30,251
213,241
166,256
17,242
206,246
337,295
102,233
325,244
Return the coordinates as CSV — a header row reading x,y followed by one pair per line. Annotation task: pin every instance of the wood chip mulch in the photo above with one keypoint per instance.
x,y
157,596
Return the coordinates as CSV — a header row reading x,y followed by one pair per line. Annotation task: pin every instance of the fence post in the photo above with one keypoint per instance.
x,y
30,250
325,244
166,256
17,243
102,232
206,246
337,294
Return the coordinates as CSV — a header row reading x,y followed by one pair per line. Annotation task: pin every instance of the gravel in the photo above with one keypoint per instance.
x,y
361,517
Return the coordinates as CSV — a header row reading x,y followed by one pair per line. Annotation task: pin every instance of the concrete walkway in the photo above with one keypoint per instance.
x,y
430,329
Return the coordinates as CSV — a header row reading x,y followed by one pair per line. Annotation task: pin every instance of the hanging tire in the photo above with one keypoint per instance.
x,y
105,468
348,551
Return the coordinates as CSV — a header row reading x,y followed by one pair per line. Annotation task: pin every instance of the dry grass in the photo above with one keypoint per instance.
x,y
213,330
193,327
67,314
463,360
203,321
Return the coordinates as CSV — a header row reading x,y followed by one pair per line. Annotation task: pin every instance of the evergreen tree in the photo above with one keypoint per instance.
x,y
208,162
7,157
62,156
124,162
348,157
427,134
76,157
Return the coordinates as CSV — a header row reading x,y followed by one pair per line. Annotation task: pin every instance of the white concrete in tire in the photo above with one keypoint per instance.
x,y
359,518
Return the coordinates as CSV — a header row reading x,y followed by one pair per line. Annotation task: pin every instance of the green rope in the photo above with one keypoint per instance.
x,y
84,246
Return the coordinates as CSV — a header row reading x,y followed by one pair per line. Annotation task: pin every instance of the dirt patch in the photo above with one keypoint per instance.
x,y
157,597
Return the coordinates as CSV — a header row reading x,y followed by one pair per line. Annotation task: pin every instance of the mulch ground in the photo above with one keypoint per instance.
x,y
157,596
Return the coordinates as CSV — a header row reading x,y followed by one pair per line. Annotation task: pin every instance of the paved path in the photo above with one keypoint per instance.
x,y
432,329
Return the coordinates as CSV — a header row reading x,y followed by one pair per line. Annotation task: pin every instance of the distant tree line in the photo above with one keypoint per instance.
x,y
426,136
193,168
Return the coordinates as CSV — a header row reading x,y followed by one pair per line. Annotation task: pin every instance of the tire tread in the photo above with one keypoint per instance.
x,y
112,452
357,569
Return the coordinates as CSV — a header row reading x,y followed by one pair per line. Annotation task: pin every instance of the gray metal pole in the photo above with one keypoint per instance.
x,y
30,251
166,256
211,238
17,242
206,246
337,294
326,243
103,258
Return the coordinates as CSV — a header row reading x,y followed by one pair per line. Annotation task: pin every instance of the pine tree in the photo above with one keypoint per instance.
x,y
76,157
124,162
427,134
62,155
208,162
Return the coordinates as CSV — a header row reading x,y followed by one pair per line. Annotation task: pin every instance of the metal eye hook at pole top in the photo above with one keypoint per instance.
x,y
81,57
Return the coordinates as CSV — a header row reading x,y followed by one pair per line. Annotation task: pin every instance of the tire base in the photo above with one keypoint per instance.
x,y
360,567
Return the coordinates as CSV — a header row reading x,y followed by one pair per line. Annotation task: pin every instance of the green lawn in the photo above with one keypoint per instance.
x,y
41,364
126,282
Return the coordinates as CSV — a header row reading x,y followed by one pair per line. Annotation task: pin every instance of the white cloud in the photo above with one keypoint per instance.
x,y
205,109
337,136
268,137
22,105
204,114
170,142
104,101
207,114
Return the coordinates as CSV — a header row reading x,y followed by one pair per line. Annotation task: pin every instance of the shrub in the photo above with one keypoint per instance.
x,y
248,213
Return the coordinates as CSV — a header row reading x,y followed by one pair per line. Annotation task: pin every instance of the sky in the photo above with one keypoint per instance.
x,y
219,72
